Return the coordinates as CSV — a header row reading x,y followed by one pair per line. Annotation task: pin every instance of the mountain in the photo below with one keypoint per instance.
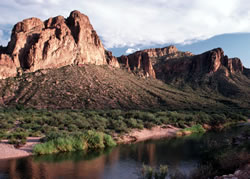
x,y
210,71
54,43
61,64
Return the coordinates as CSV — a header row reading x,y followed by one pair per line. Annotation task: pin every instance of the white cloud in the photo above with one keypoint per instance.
x,y
130,23
131,50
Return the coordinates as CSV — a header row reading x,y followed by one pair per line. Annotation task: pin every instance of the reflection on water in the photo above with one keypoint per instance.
x,y
121,162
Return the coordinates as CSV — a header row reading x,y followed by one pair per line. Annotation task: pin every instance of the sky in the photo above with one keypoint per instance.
x,y
128,25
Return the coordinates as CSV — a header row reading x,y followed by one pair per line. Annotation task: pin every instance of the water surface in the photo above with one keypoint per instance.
x,y
125,161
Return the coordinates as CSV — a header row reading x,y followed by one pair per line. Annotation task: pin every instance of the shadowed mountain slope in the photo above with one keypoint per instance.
x,y
104,87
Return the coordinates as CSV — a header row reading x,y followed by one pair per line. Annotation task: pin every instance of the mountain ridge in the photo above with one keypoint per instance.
x,y
55,55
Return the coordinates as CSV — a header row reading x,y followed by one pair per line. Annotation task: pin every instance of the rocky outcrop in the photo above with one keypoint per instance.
x,y
159,52
90,48
145,59
233,64
7,67
246,72
111,60
54,43
138,61
207,63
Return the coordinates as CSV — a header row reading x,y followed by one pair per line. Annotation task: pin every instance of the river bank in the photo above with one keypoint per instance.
x,y
135,135
8,151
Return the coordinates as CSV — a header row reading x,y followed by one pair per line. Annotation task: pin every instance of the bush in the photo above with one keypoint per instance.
x,y
195,129
45,148
18,138
94,140
149,125
90,140
108,141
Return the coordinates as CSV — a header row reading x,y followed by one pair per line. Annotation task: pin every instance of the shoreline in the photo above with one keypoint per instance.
x,y
138,135
8,151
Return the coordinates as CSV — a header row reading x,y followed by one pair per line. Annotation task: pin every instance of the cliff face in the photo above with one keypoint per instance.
x,y
207,63
144,60
167,63
54,43
209,71
138,61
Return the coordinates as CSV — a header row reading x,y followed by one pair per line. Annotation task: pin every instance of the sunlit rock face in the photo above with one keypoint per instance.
x,y
54,43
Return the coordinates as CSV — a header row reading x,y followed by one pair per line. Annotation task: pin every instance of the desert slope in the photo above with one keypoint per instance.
x,y
61,64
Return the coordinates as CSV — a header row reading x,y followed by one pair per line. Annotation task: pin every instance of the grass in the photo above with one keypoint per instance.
x,y
149,172
90,140
194,129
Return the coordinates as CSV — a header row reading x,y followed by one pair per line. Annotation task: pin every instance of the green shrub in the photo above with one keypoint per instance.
x,y
18,138
108,141
64,144
149,125
94,140
90,140
45,148
36,134
195,129
132,123
119,126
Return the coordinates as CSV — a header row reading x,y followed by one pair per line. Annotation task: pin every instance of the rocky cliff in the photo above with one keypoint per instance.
x,y
207,63
145,60
54,43
209,71
168,62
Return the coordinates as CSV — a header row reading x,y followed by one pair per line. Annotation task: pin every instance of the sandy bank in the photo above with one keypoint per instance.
x,y
9,151
156,132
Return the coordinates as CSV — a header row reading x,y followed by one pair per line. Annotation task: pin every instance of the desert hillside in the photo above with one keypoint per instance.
x,y
61,64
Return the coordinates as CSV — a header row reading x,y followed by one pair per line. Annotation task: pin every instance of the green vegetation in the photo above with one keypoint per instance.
x,y
195,129
149,172
90,140
17,138
17,123
32,122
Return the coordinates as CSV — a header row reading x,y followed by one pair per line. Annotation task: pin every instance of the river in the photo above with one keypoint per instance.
x,y
183,155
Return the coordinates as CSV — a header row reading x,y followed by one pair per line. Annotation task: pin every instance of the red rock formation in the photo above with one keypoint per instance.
x,y
54,43
233,64
207,63
159,52
90,47
145,59
111,60
138,61
7,67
